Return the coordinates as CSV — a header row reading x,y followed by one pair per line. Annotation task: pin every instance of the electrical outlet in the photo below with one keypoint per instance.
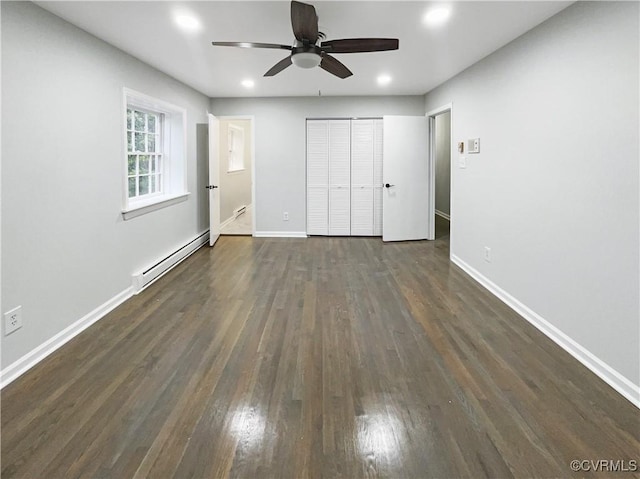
x,y
12,320
285,216
487,254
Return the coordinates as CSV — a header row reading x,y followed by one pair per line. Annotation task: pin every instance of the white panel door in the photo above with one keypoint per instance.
x,y
377,176
339,211
377,211
214,179
362,132
362,149
317,210
339,177
317,177
362,211
405,201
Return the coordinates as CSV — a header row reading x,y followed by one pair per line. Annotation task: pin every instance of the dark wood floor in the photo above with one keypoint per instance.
x,y
324,357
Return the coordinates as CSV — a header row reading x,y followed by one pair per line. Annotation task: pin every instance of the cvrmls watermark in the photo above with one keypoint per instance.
x,y
604,465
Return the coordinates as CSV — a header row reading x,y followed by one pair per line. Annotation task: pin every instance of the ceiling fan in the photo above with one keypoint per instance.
x,y
306,53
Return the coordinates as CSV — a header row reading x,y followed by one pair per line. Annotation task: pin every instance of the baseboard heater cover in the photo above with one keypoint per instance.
x,y
142,279
443,215
238,211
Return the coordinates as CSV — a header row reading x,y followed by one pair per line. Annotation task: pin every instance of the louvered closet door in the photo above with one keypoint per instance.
x,y
317,177
362,154
339,177
377,176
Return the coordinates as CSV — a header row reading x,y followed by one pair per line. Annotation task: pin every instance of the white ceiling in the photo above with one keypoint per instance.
x,y
426,58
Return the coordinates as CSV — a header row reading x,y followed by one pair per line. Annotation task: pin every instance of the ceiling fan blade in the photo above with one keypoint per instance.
x,y
304,22
278,67
334,67
360,45
251,45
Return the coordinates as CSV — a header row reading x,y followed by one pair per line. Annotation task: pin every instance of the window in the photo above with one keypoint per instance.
x,y
235,142
155,155
144,153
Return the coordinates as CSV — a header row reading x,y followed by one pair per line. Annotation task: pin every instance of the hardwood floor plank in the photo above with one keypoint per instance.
x,y
312,358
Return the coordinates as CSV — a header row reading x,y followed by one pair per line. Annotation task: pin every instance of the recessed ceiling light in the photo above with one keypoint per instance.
x,y
384,80
437,16
188,22
248,83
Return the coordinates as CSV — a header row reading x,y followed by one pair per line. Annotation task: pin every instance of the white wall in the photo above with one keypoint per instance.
x,y
235,186
280,146
65,247
443,163
554,191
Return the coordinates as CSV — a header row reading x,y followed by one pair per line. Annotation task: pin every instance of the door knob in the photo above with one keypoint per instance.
x,y
210,187
387,185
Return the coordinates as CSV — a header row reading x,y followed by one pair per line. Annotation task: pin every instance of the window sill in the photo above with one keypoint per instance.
x,y
144,207
239,170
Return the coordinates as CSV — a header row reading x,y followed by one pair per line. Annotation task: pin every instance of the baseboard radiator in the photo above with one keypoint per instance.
x,y
443,215
238,211
146,277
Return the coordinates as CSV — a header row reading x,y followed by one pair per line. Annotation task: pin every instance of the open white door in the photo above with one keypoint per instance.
x,y
406,197
214,180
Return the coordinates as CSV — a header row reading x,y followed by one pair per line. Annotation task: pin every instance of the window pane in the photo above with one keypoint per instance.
x,y
139,121
159,182
129,118
129,141
152,143
140,141
143,164
132,165
132,187
144,185
152,124
152,185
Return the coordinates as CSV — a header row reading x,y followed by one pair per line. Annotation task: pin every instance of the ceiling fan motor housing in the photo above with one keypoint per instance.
x,y
306,56
305,53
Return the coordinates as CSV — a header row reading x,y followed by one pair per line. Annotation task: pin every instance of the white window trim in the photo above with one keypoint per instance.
x,y
153,204
132,207
160,133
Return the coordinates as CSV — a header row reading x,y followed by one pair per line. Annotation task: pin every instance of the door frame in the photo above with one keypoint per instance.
x,y
252,119
431,115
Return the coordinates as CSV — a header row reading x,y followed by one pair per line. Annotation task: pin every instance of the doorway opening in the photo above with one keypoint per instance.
x,y
236,164
440,136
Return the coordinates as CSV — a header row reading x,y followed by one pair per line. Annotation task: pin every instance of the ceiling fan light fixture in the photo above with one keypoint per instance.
x,y
248,83
306,59
307,53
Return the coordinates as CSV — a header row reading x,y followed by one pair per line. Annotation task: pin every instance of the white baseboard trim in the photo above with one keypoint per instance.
x,y
609,375
227,221
26,362
280,234
443,215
